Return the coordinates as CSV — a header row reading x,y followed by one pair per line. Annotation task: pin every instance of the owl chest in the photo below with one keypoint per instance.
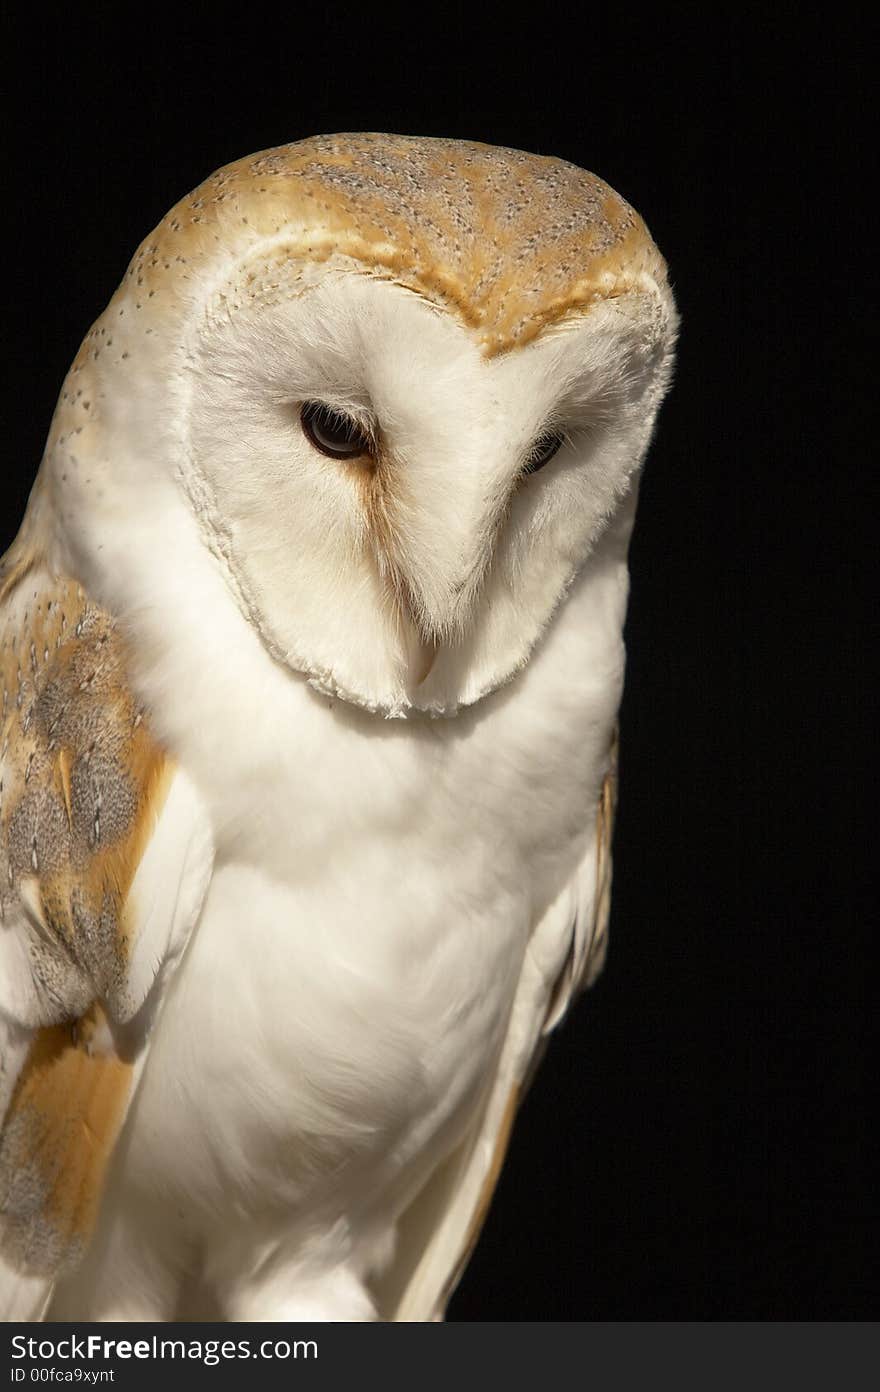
x,y
350,981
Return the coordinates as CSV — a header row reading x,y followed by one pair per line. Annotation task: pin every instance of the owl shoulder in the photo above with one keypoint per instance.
x,y
82,783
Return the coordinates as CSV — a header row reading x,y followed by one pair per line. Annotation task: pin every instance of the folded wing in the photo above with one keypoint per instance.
x,y
437,1235
105,855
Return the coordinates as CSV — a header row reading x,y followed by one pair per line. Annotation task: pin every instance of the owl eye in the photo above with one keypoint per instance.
x,y
542,451
333,433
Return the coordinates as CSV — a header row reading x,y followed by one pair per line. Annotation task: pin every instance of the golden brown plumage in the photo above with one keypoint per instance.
x,y
83,783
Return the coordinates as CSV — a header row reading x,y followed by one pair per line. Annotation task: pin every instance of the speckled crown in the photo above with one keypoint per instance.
x,y
511,241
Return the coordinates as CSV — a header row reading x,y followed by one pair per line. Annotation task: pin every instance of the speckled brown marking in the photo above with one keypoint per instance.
x,y
80,775
56,1145
81,785
510,241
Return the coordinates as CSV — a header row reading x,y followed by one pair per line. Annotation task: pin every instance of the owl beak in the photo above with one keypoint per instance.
x,y
422,660
420,654
434,545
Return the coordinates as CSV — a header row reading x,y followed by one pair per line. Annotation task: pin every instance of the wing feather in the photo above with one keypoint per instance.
x,y
437,1235
105,855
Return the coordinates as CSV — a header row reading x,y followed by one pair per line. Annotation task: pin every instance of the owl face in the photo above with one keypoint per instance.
x,y
400,455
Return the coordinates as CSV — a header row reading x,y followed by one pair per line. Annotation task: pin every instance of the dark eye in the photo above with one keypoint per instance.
x,y
542,451
332,432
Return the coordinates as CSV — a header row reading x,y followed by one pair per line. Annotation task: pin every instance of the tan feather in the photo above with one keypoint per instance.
x,y
56,1143
83,784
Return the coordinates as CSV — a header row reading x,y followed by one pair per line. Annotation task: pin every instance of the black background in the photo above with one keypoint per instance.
x,y
696,1143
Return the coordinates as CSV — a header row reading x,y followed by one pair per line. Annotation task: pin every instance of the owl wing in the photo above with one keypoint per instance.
x,y
438,1233
105,855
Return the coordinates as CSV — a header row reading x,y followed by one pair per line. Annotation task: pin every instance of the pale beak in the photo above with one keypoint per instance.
x,y
423,659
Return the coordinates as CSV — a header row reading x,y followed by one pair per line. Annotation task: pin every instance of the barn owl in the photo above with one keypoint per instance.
x,y
311,659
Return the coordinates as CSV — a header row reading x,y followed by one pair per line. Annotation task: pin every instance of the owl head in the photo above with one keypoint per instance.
x,y
399,389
